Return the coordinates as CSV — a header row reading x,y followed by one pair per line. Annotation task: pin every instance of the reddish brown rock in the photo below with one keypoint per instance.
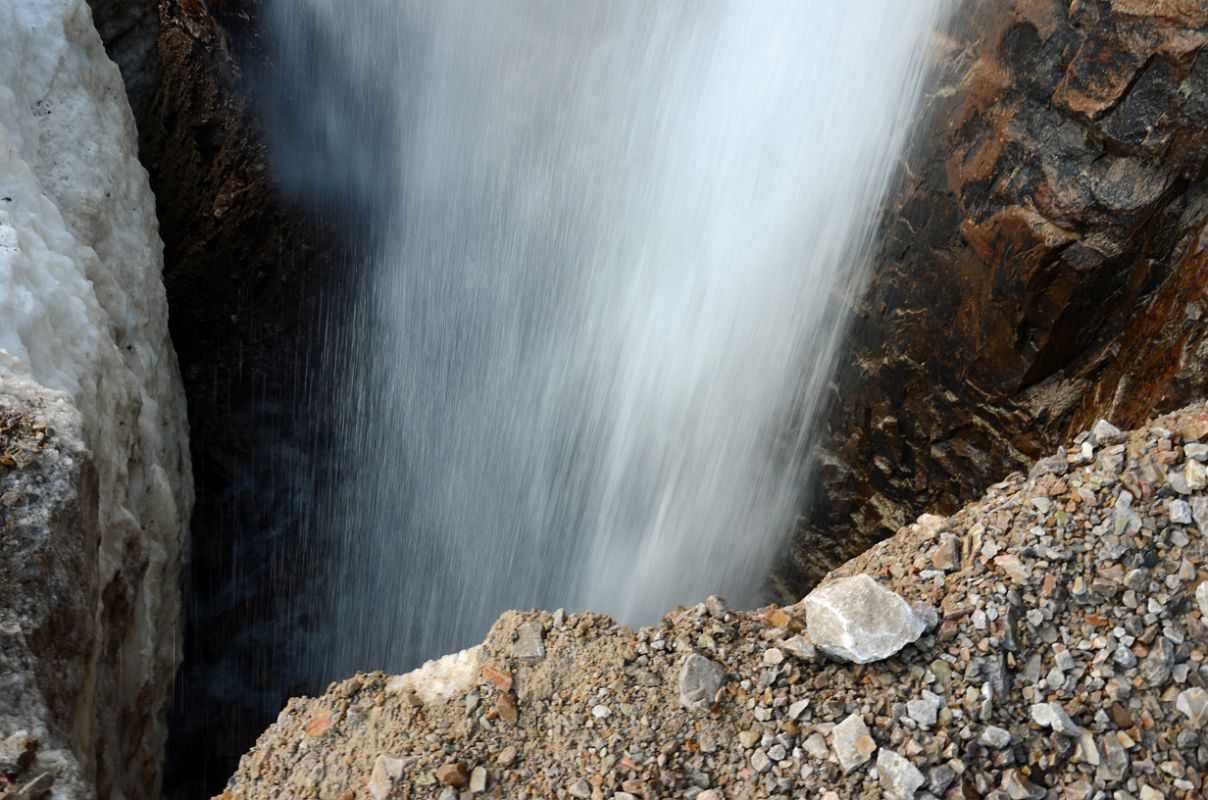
x,y
455,775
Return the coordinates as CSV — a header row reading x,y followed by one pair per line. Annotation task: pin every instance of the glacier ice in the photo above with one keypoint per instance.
x,y
83,312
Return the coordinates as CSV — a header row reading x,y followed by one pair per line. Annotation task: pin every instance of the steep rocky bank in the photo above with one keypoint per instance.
x,y
1065,653
1042,265
94,476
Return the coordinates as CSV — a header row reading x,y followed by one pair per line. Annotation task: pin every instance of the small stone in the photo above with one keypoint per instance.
x,y
940,777
1105,433
1194,704
601,712
1179,511
1196,475
760,760
798,708
709,794
1201,600
899,778
455,775
773,656
506,756
386,771
947,554
507,709
529,641
478,780
924,708
1199,512
800,647
748,739
580,789
716,607
1052,715
853,743
699,680
1018,787
1052,465
815,745
857,619
1196,450
996,737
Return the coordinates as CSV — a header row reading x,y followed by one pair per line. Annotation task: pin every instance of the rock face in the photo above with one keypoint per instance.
x,y
246,273
857,619
83,323
1041,267
1035,684
48,587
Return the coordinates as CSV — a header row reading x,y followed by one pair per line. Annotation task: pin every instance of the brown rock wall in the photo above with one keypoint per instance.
x,y
1042,264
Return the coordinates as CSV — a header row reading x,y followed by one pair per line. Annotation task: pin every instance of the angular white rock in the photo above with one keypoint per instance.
x,y
699,680
1194,704
899,778
386,771
852,742
857,619
1105,433
1052,715
1201,599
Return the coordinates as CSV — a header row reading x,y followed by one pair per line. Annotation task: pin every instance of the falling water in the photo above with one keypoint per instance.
x,y
610,245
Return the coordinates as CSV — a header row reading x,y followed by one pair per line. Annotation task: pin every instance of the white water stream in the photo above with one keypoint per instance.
x,y
610,247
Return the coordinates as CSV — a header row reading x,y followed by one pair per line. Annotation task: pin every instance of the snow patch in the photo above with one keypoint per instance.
x,y
439,680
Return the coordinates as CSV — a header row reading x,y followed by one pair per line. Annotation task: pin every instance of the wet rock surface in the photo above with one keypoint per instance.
x,y
48,586
1032,684
1041,266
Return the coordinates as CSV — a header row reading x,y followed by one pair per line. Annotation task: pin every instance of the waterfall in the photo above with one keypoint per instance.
x,y
610,247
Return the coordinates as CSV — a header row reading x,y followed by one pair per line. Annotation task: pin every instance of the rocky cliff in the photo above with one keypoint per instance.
x,y
1042,264
1048,640
95,476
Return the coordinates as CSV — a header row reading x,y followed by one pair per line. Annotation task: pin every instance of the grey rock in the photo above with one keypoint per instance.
x,y
996,737
924,709
815,745
1180,512
1115,763
1105,433
1052,715
939,778
899,778
800,647
857,619
1052,465
580,789
717,607
1155,669
852,742
1199,511
1194,704
699,680
529,643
